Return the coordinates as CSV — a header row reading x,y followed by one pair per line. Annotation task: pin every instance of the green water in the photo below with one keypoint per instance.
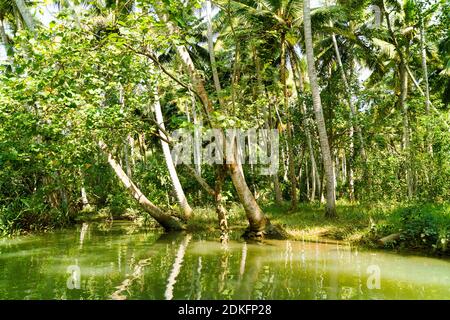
x,y
122,261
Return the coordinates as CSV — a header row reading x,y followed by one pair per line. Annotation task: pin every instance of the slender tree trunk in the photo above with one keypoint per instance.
x,y
298,79
425,78
5,39
257,221
220,209
324,144
277,189
353,112
126,160
291,164
26,15
351,181
308,174
353,126
275,178
212,56
168,222
406,133
84,199
200,180
181,197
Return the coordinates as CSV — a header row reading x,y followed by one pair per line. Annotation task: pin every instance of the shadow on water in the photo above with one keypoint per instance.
x,y
121,261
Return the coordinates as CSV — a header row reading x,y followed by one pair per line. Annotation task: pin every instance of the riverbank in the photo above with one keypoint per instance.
x,y
420,228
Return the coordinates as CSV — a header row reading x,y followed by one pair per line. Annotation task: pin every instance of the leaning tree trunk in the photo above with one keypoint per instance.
x,y
26,15
168,222
323,137
181,197
257,221
255,216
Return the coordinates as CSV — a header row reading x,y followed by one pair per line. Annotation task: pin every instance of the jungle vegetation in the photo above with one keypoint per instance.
x,y
358,90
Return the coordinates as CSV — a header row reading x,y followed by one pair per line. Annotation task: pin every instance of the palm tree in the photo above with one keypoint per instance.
x,y
279,18
259,224
318,112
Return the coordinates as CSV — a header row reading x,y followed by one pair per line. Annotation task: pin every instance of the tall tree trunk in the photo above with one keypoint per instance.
x,y
212,56
181,197
257,221
276,182
348,89
291,164
168,222
406,133
298,79
425,78
324,144
351,179
353,115
26,15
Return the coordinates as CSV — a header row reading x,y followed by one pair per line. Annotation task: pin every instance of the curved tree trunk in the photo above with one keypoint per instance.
x,y
255,216
168,222
324,144
181,197
257,221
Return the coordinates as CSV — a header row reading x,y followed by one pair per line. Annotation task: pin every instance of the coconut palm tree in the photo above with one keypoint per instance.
x,y
318,112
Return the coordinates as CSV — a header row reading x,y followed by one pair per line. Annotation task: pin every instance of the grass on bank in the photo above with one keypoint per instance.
x,y
418,227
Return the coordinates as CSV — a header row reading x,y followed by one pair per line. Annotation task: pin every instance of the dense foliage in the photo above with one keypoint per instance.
x,y
97,70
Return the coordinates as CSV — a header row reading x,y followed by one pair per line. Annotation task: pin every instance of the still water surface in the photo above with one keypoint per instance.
x,y
122,261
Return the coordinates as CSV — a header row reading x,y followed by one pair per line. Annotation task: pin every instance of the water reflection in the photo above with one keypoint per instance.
x,y
168,295
121,261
